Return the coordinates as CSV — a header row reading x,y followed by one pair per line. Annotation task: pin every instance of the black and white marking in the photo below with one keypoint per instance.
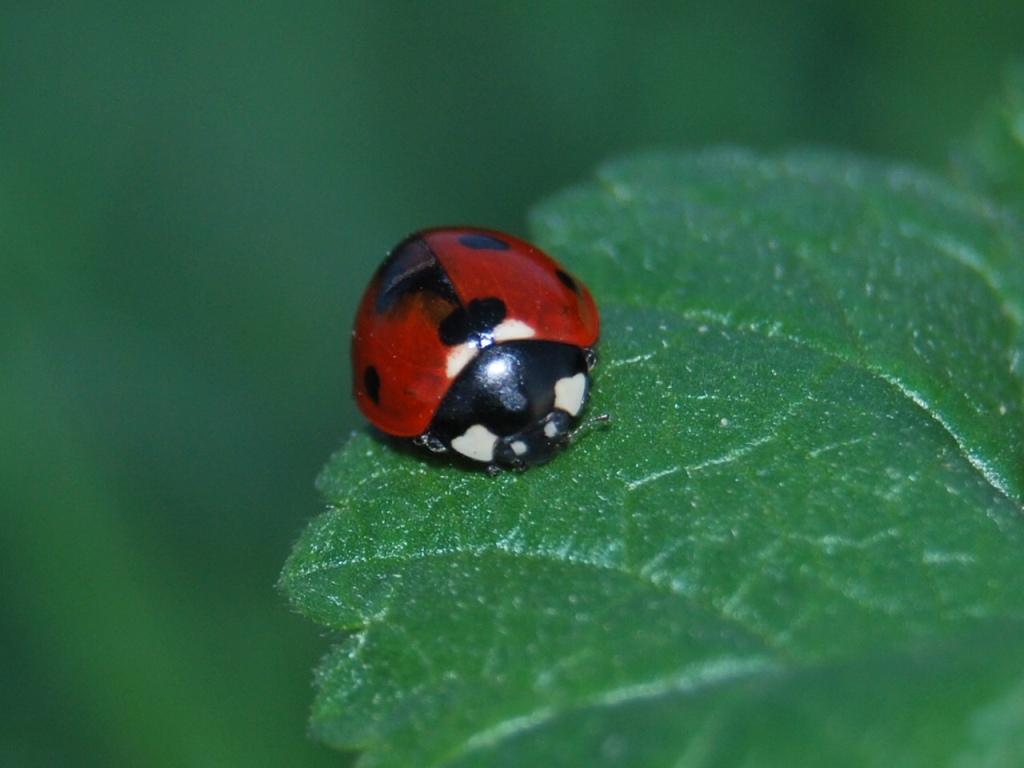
x,y
514,404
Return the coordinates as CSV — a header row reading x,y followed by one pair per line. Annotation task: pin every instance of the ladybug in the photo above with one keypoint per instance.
x,y
475,342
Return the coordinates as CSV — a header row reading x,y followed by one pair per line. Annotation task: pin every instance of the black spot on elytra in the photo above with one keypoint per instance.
x,y
480,242
412,266
371,381
568,281
473,323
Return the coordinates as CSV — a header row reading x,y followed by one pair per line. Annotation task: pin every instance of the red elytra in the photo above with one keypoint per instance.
x,y
402,368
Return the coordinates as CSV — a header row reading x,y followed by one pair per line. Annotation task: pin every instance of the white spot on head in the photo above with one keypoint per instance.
x,y
459,358
551,430
510,330
570,392
518,447
477,443
497,369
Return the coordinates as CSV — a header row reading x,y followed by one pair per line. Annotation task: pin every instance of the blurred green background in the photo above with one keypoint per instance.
x,y
191,198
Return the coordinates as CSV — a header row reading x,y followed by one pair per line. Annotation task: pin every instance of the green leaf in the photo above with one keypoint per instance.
x,y
960,704
993,159
815,457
